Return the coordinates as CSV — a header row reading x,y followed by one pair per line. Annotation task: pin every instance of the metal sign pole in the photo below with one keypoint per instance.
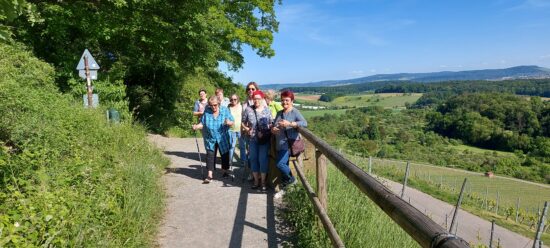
x,y
88,83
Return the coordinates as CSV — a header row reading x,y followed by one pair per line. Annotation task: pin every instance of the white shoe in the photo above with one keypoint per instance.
x,y
279,194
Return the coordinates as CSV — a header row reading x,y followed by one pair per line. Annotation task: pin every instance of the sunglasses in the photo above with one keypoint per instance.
x,y
233,99
252,89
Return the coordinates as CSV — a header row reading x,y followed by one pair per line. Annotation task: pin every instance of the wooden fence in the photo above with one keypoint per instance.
x,y
421,228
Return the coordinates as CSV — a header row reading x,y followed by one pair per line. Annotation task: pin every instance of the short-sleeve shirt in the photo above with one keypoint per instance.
x,y
261,121
214,129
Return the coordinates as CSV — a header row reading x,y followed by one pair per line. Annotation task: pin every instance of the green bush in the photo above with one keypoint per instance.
x,y
68,177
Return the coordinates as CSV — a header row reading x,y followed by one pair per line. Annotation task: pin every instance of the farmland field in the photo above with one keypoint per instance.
x,y
387,100
311,113
531,195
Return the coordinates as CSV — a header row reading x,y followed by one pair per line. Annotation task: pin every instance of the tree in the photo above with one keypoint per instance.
x,y
150,44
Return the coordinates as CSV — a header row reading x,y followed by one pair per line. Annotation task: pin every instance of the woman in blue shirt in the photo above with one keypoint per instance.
x,y
216,121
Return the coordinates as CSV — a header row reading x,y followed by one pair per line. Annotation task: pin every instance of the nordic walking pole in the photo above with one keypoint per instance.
x,y
199,153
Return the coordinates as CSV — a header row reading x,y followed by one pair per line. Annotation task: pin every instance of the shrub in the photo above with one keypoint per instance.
x,y
68,177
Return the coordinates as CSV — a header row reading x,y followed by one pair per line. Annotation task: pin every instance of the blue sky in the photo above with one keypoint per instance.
x,y
341,39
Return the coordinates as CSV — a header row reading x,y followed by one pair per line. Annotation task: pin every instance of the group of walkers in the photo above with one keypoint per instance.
x,y
252,124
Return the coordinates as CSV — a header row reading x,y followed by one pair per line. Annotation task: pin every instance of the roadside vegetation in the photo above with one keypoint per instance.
x,y
69,178
358,221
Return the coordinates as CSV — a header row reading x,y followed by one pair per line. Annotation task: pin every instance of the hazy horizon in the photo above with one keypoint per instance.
x,y
344,39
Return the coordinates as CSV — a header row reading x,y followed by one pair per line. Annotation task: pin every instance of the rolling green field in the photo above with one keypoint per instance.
x,y
311,113
387,100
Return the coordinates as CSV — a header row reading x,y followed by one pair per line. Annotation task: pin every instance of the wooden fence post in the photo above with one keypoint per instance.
x,y
321,167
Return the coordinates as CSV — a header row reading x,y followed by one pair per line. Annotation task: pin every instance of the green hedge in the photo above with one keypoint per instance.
x,y
68,177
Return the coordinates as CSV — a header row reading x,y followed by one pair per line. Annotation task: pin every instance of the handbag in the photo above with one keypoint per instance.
x,y
296,146
263,138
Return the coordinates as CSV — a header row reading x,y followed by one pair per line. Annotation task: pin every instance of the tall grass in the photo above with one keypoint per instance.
x,y
67,176
358,221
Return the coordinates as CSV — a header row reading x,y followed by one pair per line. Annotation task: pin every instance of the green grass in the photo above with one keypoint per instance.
x,y
358,221
474,149
445,183
383,100
69,178
312,113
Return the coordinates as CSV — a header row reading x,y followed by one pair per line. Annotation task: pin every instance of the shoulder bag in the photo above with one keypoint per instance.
x,y
296,146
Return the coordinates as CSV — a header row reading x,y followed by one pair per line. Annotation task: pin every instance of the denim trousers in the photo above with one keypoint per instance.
x,y
243,143
282,163
234,136
258,156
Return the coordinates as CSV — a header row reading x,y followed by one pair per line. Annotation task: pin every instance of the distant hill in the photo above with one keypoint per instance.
x,y
518,72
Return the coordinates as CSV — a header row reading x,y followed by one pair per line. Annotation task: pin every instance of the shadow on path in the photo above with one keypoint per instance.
x,y
198,169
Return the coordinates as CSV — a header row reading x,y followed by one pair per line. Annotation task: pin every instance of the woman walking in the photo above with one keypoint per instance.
x,y
257,124
200,105
216,121
235,131
286,122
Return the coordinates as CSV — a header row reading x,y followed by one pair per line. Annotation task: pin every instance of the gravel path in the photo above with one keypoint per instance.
x,y
224,213
473,229
227,213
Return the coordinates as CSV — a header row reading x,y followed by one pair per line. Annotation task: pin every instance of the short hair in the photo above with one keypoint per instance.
x,y
218,90
202,90
258,93
270,94
253,83
235,94
287,93
213,99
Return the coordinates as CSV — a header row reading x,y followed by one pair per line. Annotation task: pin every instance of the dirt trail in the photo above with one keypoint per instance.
x,y
224,213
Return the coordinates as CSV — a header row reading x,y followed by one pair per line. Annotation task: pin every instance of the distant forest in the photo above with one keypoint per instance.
x,y
531,87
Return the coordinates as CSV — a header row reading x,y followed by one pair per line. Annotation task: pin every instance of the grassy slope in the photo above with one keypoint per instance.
x,y
69,178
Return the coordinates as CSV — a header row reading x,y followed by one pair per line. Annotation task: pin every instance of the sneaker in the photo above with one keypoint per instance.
x,y
207,180
255,186
279,194
264,189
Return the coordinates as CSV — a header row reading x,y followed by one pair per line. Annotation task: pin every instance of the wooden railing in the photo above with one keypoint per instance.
x,y
421,228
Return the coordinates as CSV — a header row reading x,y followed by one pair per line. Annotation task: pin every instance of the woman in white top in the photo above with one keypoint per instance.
x,y
235,131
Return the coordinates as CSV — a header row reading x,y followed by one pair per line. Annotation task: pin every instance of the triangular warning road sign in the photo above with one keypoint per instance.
x,y
91,61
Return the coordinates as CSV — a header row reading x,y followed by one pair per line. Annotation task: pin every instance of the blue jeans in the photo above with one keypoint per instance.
x,y
282,164
243,142
233,137
259,156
